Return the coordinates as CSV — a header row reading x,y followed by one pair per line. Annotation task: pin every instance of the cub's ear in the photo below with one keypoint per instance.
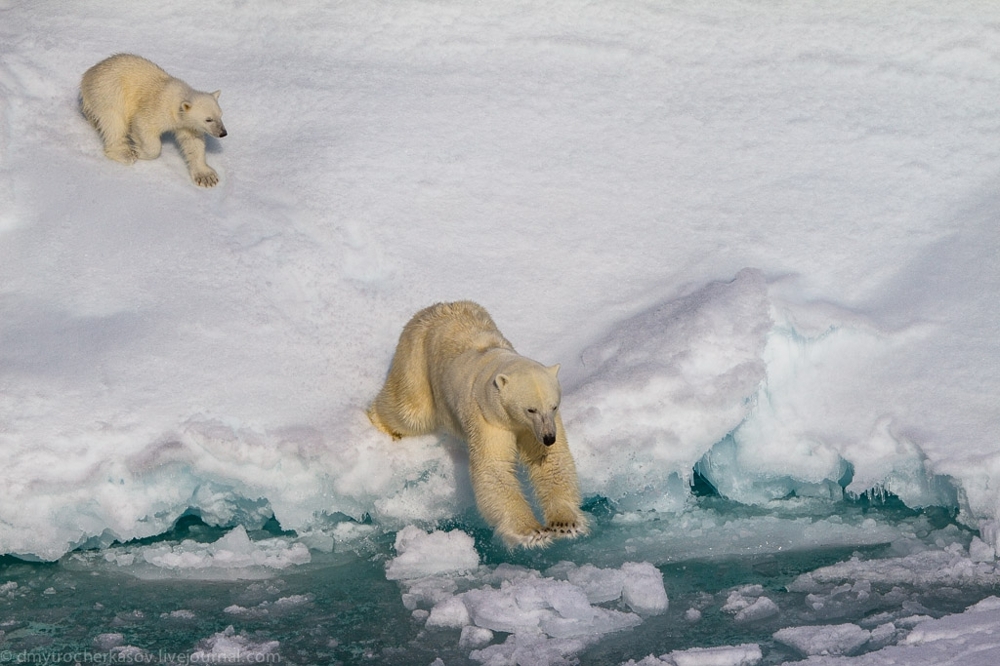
x,y
185,106
216,94
500,381
553,370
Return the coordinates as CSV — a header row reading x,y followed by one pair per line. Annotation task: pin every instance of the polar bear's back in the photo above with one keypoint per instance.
x,y
451,329
123,83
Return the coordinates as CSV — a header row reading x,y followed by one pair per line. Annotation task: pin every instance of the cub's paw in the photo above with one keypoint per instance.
x,y
123,154
205,178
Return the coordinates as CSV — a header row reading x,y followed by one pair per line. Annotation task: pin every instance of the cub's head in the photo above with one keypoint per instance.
x,y
530,394
201,113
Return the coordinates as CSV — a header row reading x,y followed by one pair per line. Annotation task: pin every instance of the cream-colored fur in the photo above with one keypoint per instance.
x,y
132,102
454,371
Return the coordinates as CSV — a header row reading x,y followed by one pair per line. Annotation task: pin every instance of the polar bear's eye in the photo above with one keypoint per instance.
x,y
532,410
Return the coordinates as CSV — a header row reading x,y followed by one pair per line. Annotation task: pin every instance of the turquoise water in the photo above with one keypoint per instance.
x,y
339,608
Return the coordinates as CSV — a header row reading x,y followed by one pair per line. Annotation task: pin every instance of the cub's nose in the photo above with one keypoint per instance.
x,y
548,440
223,133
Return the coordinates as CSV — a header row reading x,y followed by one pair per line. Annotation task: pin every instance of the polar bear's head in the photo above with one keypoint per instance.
x,y
201,112
530,394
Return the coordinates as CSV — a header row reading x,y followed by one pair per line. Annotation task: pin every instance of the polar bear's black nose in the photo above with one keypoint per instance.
x,y
223,133
548,440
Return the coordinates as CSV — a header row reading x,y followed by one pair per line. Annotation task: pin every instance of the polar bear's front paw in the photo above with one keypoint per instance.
x,y
205,178
568,529
539,538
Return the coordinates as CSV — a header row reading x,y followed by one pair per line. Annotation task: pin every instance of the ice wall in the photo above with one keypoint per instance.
x,y
663,387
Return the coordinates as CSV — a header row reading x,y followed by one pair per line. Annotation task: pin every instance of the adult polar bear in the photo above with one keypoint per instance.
x,y
131,102
454,371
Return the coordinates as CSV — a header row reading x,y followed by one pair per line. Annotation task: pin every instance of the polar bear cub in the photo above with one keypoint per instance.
x,y
454,371
132,102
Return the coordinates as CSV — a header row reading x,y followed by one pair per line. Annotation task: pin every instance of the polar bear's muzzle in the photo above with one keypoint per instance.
x,y
545,429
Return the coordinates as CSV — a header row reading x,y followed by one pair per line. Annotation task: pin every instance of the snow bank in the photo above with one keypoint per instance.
x,y
663,387
165,349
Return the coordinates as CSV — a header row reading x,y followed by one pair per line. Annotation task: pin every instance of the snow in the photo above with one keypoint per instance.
x,y
760,240
168,349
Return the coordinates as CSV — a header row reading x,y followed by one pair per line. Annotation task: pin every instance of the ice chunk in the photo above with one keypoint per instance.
x,y
736,655
427,591
839,639
450,612
229,647
600,585
531,650
556,608
747,604
474,637
233,556
977,622
980,551
107,641
421,554
643,589
926,569
760,609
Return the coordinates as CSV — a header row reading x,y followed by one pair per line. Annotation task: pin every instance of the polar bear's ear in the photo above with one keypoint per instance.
x,y
216,94
185,106
553,370
500,381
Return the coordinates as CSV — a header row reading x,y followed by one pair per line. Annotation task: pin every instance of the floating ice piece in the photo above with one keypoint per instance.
x,y
531,650
600,585
427,591
531,606
643,589
980,551
747,654
475,637
231,648
758,610
107,641
451,612
838,639
747,604
728,655
980,618
927,569
421,554
233,556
